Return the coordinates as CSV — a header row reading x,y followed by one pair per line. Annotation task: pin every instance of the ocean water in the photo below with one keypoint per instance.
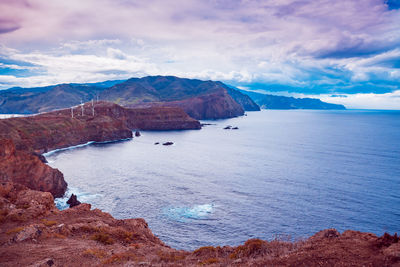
x,y
285,174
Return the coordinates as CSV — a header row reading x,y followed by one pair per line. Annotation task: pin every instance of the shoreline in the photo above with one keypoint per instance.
x,y
83,236
83,145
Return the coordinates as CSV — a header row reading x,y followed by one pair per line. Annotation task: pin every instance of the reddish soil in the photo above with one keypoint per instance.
x,y
35,233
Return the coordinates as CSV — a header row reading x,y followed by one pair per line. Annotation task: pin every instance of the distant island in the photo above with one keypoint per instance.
x,y
199,99
267,101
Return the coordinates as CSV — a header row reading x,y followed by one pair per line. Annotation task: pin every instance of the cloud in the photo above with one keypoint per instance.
x,y
312,47
367,101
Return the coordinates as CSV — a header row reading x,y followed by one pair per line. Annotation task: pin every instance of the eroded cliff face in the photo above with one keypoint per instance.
x,y
22,138
80,236
101,122
28,170
218,105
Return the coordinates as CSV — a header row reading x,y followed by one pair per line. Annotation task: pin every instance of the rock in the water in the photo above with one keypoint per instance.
x,y
228,127
73,201
157,143
137,133
168,143
235,128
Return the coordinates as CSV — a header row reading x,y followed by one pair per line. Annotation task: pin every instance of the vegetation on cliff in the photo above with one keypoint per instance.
x,y
80,236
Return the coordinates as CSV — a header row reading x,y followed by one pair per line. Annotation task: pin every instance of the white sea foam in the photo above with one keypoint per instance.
x,y
82,145
194,212
82,196
47,154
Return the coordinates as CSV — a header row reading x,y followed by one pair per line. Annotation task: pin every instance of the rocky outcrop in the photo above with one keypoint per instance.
x,y
242,99
28,170
73,201
199,99
80,236
101,122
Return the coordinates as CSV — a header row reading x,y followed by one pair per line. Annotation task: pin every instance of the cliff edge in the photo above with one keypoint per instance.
x,y
80,236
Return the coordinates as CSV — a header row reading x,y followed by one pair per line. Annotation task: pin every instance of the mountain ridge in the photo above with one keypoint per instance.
x,y
200,99
268,101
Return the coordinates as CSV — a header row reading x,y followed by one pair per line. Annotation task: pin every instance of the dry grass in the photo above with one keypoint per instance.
x,y
209,261
23,206
15,230
103,238
49,223
170,256
17,218
205,251
121,257
250,248
55,235
94,252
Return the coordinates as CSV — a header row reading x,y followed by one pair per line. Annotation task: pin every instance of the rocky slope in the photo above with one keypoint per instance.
x,y
244,100
200,99
27,169
80,236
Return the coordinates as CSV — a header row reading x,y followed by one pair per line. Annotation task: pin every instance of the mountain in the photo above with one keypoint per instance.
x,y
244,100
36,100
200,99
267,101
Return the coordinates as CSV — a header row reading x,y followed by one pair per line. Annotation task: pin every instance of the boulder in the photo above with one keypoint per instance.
x,y
168,143
73,201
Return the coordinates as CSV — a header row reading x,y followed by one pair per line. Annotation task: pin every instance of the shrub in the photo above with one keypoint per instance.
x,y
98,253
205,250
120,257
48,223
167,256
250,248
103,238
209,261
15,230
23,206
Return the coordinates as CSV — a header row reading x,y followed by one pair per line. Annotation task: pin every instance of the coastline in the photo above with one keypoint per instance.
x,y
82,236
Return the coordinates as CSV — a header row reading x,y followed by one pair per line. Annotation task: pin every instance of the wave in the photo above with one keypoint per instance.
x,y
84,197
82,145
197,212
66,148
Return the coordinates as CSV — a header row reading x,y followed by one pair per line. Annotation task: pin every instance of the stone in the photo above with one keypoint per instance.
x,y
168,143
73,201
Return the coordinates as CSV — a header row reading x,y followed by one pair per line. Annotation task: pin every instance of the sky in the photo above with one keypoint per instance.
x,y
343,51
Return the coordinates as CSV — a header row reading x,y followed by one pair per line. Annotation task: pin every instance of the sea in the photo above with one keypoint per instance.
x,y
283,174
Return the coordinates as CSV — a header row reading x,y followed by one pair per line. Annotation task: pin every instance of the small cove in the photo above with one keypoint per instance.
x,y
288,173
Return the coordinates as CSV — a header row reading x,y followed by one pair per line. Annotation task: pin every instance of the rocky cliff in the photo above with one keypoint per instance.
x,y
80,236
27,169
23,139
101,122
199,99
